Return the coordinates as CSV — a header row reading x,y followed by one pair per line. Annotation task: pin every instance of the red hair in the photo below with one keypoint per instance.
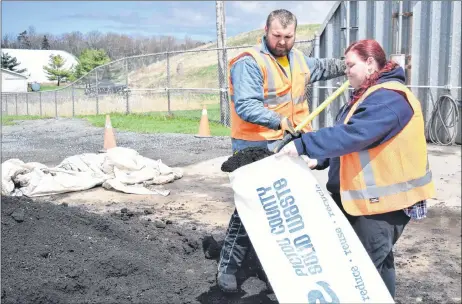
x,y
365,49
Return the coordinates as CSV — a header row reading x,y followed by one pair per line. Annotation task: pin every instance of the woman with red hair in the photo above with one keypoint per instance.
x,y
376,153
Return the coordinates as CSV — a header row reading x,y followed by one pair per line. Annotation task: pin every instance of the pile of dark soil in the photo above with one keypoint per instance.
x,y
58,254
245,157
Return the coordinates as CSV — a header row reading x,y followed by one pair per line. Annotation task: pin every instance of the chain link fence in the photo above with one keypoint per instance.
x,y
181,83
178,83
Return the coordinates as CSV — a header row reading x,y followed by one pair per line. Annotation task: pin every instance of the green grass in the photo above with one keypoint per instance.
x,y
49,87
184,122
304,32
213,113
9,120
205,71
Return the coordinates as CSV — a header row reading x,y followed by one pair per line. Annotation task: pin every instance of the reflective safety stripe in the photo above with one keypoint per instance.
x,y
376,191
271,99
276,100
298,99
365,160
271,82
298,59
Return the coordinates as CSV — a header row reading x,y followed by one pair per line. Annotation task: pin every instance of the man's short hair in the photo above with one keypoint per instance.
x,y
284,16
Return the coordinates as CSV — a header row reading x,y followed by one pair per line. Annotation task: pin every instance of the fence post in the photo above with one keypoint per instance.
x,y
73,102
16,100
6,104
27,104
126,87
56,104
222,63
315,100
348,8
97,93
40,102
168,82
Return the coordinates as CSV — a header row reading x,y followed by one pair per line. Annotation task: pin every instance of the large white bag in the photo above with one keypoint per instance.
x,y
308,249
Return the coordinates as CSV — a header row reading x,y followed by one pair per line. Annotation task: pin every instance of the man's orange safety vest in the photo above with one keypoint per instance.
x,y
281,95
392,176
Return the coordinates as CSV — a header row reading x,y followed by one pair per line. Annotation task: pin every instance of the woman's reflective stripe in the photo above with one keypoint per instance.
x,y
380,191
366,166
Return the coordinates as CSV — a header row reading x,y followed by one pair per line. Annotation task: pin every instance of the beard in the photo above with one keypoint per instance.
x,y
278,52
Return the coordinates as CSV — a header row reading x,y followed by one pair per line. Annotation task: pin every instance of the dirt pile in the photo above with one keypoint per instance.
x,y
245,157
59,254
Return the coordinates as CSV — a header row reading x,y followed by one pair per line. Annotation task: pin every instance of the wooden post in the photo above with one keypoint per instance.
x,y
222,63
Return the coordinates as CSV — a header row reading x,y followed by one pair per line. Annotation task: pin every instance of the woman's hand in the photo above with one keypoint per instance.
x,y
288,149
312,163
291,150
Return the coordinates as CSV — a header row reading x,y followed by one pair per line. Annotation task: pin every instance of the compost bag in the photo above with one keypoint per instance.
x,y
308,250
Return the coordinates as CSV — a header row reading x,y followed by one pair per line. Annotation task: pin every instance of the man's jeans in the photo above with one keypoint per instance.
x,y
237,243
239,144
378,233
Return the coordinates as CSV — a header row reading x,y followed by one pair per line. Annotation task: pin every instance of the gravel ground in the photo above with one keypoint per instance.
x,y
101,246
49,141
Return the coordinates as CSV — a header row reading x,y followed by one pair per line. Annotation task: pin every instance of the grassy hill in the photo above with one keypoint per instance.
x,y
199,69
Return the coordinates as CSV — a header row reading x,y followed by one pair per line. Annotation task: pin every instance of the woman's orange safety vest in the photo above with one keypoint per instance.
x,y
392,176
281,95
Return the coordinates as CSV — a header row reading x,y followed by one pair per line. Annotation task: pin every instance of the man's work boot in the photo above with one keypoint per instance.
x,y
227,282
234,250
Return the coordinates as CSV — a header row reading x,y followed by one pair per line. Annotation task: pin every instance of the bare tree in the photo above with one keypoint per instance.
x,y
116,45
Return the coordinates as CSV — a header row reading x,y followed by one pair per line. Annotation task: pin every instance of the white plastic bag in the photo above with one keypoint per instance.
x,y
308,249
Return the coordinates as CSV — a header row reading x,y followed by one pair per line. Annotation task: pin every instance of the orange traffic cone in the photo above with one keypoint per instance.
x,y
204,128
109,138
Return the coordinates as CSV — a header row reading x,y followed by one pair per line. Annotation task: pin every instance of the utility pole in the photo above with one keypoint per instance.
x,y
222,63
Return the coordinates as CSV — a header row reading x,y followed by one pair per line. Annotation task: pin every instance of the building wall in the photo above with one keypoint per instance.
x,y
13,83
428,33
34,60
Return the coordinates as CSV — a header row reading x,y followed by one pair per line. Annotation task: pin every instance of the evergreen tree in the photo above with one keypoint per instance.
x,y
24,41
90,59
55,69
10,63
45,43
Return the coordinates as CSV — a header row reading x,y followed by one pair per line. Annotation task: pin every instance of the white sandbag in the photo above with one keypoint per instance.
x,y
86,162
43,182
10,169
308,249
124,158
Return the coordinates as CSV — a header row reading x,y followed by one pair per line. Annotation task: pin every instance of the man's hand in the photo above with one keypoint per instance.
x,y
286,125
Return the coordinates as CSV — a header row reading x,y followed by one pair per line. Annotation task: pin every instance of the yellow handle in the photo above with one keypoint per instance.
x,y
322,106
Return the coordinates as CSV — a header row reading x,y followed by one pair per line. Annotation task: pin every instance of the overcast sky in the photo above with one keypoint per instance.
x,y
177,18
